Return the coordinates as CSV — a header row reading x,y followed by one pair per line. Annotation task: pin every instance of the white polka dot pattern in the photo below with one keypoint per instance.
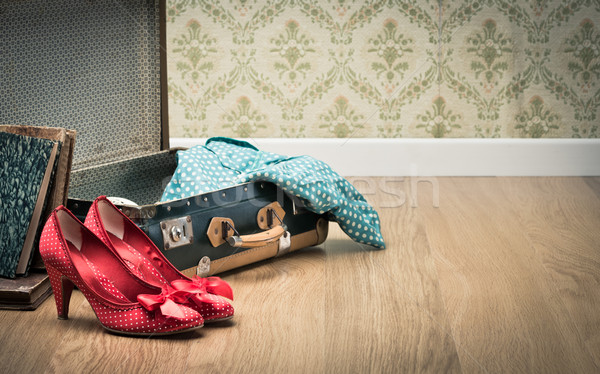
x,y
212,308
224,162
217,309
126,317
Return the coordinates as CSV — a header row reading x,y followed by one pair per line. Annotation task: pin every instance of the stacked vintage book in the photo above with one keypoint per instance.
x,y
24,293
35,164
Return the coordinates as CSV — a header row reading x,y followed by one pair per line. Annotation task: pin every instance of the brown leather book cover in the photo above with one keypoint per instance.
x,y
24,293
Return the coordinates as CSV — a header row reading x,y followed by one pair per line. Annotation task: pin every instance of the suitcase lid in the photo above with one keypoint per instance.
x,y
90,66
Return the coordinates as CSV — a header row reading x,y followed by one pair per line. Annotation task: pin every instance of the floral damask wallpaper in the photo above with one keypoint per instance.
x,y
350,68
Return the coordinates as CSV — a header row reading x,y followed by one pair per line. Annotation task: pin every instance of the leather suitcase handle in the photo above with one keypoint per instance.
x,y
256,240
222,229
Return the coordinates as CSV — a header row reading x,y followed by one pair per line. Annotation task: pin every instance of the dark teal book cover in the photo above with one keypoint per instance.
x,y
23,164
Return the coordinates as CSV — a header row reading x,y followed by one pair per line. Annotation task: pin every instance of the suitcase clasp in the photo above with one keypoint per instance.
x,y
203,269
177,232
285,244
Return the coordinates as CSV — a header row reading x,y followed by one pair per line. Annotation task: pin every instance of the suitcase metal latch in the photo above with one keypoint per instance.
x,y
203,269
177,232
285,243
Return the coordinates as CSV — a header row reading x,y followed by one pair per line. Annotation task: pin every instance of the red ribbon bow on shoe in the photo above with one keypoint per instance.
x,y
164,304
204,286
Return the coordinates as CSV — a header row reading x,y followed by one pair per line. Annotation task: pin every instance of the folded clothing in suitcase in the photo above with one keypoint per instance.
x,y
224,162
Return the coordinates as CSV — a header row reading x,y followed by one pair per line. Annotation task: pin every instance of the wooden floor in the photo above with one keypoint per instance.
x,y
502,276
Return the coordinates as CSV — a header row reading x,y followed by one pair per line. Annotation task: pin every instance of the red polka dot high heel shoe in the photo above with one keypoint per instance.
x,y
206,295
124,304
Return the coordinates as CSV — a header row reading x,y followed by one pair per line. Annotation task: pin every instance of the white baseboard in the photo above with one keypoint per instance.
x,y
440,157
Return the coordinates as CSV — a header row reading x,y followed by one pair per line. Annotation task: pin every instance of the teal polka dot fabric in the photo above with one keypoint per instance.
x,y
225,162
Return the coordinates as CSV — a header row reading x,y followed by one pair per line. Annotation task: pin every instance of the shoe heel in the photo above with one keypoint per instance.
x,y
62,289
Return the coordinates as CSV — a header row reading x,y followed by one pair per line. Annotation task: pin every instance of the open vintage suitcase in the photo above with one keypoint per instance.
x,y
100,68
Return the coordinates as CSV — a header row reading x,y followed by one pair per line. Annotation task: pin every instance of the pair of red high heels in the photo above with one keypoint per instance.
x,y
131,286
